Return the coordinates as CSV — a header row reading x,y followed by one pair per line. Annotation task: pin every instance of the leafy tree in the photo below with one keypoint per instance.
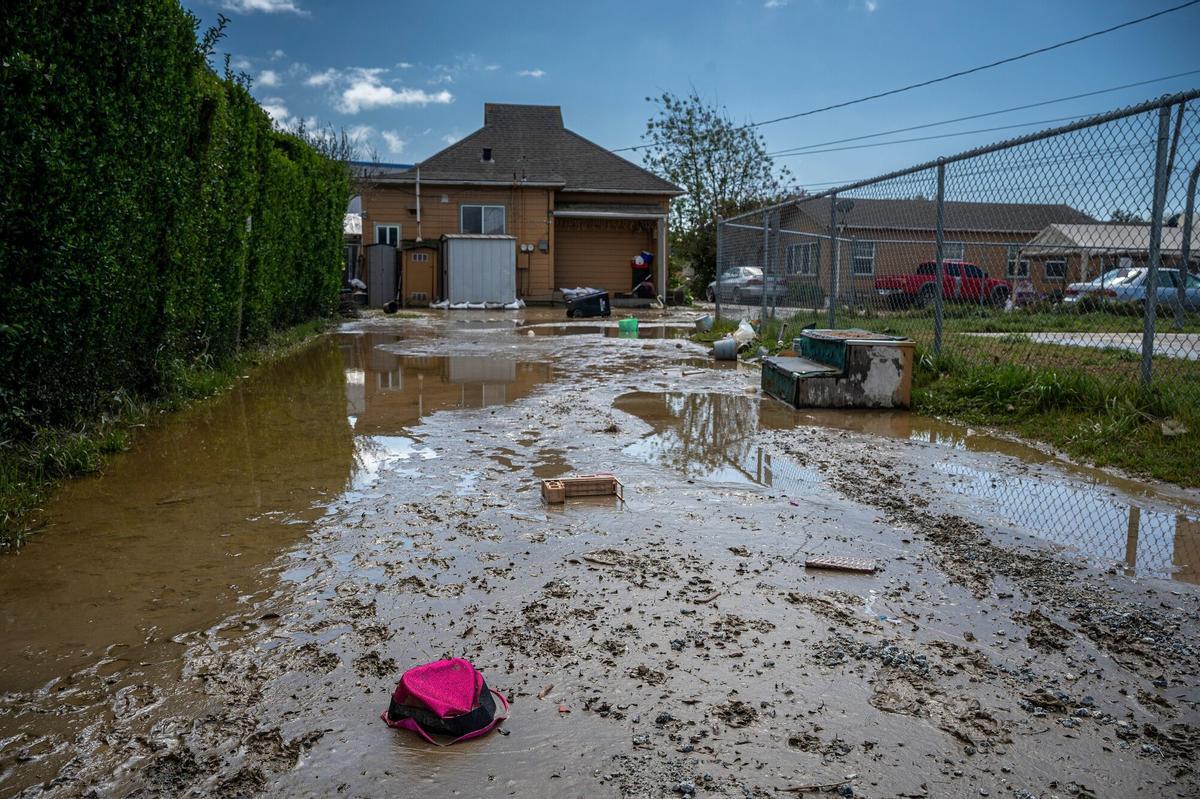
x,y
723,167
1127,217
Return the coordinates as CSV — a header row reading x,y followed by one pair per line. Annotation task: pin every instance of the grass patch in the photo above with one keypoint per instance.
x,y
1087,403
30,469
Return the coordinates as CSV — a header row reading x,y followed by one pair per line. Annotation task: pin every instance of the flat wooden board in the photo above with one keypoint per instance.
x,y
840,563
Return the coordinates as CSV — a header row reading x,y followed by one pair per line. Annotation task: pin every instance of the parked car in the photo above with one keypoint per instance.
x,y
961,281
1128,284
743,285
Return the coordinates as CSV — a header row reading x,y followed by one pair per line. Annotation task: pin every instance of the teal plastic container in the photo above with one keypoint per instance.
x,y
628,325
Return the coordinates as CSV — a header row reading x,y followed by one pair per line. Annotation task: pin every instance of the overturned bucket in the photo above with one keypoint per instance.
x,y
703,323
628,325
725,349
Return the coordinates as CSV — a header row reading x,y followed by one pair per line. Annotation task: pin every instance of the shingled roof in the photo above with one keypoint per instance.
x,y
919,214
529,145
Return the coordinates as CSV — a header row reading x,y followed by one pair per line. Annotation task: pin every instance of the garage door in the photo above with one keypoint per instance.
x,y
596,252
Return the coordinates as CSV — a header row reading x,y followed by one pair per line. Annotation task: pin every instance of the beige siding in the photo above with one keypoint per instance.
x,y
596,252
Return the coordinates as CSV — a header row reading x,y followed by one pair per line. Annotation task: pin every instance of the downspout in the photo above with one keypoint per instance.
x,y
418,205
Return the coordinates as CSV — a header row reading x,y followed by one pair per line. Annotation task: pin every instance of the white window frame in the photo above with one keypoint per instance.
x,y
962,250
855,271
804,259
1014,265
387,226
1057,278
483,209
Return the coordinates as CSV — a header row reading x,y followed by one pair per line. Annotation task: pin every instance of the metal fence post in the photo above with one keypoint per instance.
x,y
939,280
1185,255
719,267
766,268
1156,220
834,267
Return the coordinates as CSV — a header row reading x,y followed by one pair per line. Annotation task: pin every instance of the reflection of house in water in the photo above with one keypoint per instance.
x,y
386,392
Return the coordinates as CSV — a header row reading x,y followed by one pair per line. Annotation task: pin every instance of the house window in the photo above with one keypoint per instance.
x,y
1055,270
802,259
419,257
485,219
387,234
953,250
862,256
1017,266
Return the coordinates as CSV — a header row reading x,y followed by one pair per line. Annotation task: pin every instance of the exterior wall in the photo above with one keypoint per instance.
x,y
899,252
596,252
605,248
526,216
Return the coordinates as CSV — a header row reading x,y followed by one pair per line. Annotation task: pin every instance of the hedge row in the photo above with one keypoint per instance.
x,y
152,219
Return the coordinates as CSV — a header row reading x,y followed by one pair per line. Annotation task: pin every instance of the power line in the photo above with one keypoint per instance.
x,y
938,136
958,74
791,150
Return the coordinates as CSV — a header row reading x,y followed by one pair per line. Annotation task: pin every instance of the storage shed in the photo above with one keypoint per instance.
x,y
480,268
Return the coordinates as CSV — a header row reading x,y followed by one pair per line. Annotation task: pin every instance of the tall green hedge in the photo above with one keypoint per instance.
x,y
152,220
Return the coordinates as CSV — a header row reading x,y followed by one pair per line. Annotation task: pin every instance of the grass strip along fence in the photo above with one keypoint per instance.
x,y
155,225
1086,402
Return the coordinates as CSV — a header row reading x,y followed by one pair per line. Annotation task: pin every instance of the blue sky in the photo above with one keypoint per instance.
x,y
406,78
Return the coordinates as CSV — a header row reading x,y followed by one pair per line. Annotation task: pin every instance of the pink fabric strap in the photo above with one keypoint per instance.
x,y
410,724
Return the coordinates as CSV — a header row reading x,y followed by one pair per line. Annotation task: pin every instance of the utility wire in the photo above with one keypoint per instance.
x,y
798,148
937,136
958,74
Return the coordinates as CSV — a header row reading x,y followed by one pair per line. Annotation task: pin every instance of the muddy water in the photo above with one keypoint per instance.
x,y
222,614
132,565
716,437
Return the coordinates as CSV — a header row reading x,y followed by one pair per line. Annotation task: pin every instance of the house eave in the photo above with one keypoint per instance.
x,y
607,215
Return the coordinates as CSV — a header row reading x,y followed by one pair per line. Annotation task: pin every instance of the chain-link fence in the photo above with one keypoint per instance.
x,y
1072,247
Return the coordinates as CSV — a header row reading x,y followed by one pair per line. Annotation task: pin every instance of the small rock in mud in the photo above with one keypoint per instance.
x,y
736,713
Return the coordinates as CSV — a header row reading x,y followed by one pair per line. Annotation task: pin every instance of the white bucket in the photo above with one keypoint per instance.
x,y
703,323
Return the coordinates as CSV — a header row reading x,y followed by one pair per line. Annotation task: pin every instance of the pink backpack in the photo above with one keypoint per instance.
x,y
446,697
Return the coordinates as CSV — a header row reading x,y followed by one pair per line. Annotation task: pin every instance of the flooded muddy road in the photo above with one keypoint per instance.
x,y
225,611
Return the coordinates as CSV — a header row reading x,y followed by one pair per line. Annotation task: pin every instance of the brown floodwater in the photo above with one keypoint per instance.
x,y
178,531
715,437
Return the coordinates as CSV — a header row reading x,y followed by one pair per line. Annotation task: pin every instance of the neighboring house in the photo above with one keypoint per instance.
x,y
577,213
890,237
1083,252
351,239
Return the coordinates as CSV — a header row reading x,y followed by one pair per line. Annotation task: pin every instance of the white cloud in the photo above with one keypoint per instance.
x,y
359,134
532,73
277,54
444,77
872,5
275,108
365,92
491,67
395,144
265,6
775,3
403,65
321,78
268,77
451,138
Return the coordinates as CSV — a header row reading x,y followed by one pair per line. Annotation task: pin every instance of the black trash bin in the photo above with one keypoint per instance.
x,y
595,304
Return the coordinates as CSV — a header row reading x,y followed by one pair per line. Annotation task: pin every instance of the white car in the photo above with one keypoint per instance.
x,y
1128,284
743,285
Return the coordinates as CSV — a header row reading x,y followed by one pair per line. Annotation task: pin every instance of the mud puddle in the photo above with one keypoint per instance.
x,y
716,437
646,330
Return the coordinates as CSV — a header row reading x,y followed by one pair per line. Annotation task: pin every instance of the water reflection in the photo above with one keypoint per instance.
x,y
387,393
711,437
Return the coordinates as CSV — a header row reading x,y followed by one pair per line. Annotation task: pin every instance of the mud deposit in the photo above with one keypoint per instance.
x,y
223,614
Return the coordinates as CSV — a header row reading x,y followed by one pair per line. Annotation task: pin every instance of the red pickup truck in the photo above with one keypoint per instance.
x,y
961,282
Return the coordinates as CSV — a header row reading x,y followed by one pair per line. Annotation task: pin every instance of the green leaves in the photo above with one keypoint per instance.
x,y
129,170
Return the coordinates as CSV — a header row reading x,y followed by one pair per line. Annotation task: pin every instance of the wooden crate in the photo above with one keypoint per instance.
x,y
561,489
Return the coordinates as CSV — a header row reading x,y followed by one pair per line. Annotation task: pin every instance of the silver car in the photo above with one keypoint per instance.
x,y
743,285
1128,284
